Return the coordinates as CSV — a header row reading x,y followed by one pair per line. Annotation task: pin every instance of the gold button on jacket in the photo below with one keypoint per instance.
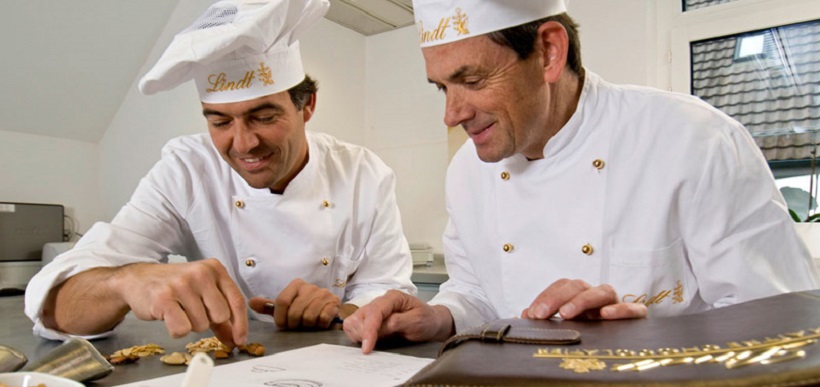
x,y
587,249
250,263
508,247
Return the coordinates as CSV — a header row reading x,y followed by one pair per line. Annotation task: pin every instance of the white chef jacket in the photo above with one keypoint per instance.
x,y
658,194
336,225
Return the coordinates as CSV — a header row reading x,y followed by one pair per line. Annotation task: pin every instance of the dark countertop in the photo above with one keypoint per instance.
x,y
15,332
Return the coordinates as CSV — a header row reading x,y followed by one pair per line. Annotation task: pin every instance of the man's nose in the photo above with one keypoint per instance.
x,y
456,110
245,138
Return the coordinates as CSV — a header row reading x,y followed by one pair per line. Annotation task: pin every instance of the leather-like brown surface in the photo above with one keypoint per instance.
x,y
508,331
476,363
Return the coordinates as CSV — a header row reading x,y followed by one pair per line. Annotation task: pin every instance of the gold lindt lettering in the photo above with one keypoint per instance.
x,y
437,34
219,82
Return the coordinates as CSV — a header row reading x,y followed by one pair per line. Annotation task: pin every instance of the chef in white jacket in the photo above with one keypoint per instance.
x,y
579,197
294,221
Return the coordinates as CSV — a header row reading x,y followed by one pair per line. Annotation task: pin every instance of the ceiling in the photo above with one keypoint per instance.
x,y
369,17
68,64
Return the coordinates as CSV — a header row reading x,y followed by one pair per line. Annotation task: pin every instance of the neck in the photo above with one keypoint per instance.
x,y
279,186
562,101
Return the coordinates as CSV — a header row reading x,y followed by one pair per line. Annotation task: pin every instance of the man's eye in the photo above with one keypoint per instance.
x,y
219,124
266,119
472,83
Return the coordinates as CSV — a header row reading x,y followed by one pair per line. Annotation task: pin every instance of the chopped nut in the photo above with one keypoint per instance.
x,y
132,354
206,345
118,360
253,349
176,358
222,354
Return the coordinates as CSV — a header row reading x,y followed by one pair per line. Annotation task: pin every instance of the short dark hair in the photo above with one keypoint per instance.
x,y
300,94
522,39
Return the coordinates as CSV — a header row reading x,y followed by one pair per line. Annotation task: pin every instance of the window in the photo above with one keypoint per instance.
x,y
759,62
769,80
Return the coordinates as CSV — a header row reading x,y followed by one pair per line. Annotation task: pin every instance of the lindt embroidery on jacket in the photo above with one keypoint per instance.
x,y
784,347
664,295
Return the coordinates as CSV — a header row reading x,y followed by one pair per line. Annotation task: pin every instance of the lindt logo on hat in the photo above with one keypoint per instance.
x,y
440,32
445,21
220,82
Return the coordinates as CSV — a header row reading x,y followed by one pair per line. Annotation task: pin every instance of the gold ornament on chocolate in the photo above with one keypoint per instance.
x,y
736,354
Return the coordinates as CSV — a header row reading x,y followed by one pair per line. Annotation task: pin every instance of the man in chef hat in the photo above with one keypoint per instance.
x,y
295,221
581,198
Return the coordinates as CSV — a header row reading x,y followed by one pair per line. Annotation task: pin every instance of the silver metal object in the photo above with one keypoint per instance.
x,y
76,359
11,359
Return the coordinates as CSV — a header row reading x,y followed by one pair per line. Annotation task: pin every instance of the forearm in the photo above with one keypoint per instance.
x,y
87,303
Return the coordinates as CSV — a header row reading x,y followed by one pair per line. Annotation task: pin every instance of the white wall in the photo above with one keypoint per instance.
x,y
49,170
332,54
405,127
618,39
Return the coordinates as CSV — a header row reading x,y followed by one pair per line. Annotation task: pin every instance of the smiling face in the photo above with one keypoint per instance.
x,y
263,139
507,105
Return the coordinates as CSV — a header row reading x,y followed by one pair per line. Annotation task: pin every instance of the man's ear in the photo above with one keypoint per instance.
x,y
552,43
310,107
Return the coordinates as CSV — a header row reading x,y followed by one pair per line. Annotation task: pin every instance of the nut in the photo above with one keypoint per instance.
x,y
132,354
253,349
176,358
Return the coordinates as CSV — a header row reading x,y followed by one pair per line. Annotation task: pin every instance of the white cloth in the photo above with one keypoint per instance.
x,y
340,207
683,216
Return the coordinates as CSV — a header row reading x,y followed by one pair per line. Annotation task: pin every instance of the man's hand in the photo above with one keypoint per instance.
x,y
301,305
398,314
578,299
190,296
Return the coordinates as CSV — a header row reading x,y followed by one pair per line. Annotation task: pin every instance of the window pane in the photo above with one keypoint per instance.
x,y
769,80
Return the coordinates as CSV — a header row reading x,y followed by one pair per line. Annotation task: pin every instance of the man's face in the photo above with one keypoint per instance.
x,y
498,99
263,139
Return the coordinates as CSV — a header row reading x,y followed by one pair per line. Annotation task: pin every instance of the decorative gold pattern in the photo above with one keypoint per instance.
x,y
677,294
460,23
582,366
736,354
265,74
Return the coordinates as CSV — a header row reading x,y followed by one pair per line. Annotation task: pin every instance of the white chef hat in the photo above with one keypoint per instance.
x,y
445,21
238,50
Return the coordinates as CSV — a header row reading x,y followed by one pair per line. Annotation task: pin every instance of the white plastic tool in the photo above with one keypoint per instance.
x,y
199,371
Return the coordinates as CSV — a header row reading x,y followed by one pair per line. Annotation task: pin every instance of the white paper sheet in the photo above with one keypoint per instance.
x,y
321,365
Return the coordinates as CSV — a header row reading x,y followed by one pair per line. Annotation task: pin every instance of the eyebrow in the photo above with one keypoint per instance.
x,y
456,75
264,106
